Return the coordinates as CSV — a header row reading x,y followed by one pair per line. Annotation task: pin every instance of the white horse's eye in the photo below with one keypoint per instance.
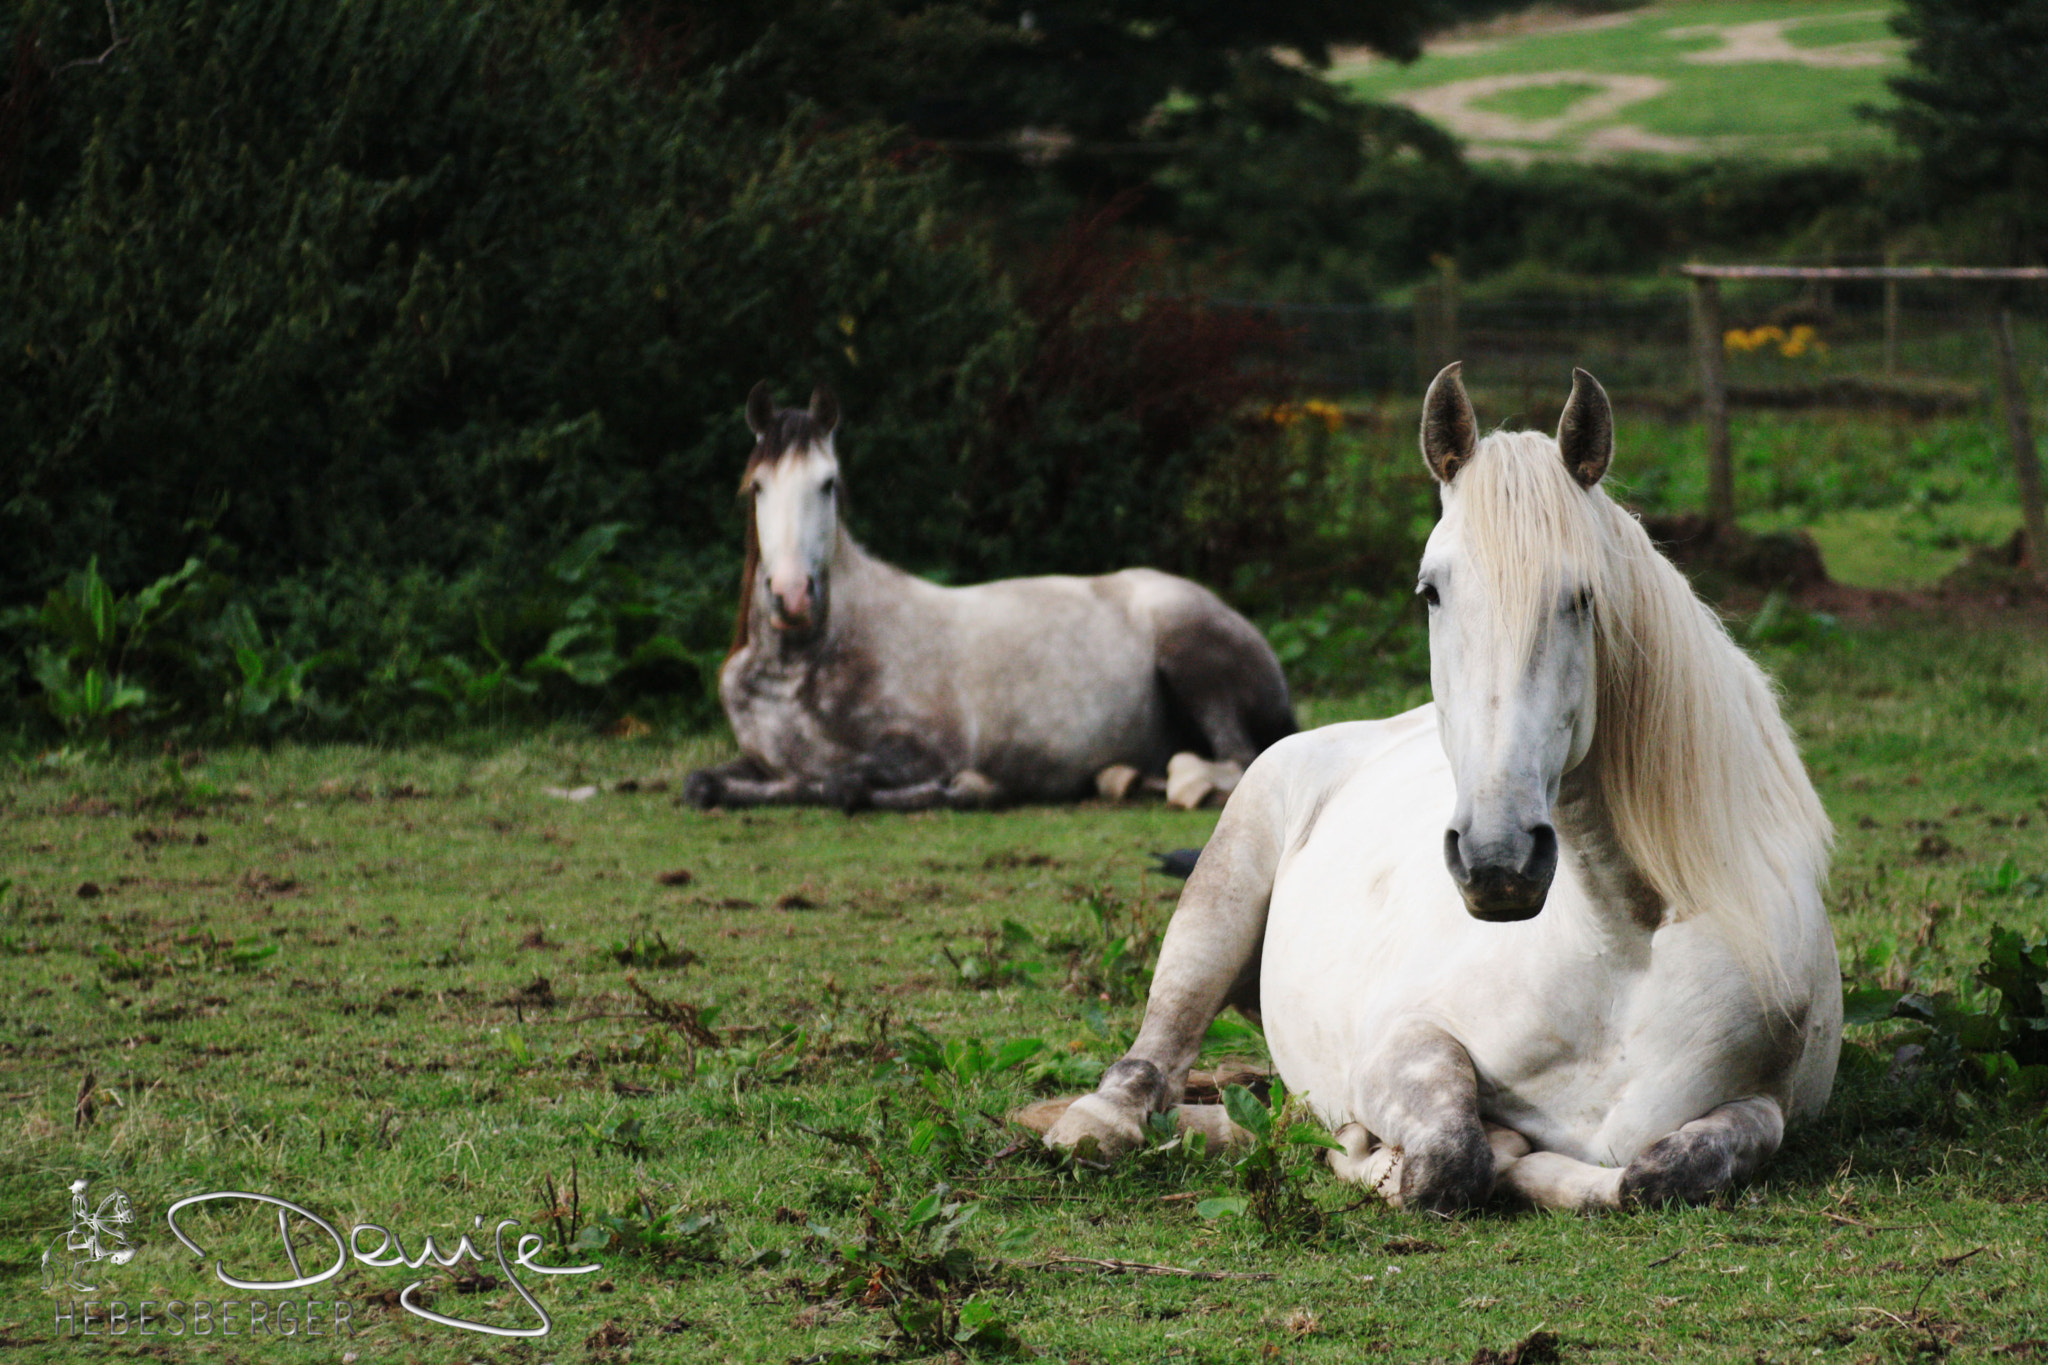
x,y
1428,593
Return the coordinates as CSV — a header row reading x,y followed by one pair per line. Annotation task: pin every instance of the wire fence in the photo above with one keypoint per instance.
x,y
1917,345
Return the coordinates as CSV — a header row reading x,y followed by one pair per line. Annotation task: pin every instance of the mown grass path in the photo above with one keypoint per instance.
x,y
453,1018
1781,79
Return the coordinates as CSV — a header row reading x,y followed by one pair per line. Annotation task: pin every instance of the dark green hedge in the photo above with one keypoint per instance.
x,y
421,283
386,310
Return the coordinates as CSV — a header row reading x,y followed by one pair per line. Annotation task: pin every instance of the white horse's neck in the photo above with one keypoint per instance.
x,y
1621,901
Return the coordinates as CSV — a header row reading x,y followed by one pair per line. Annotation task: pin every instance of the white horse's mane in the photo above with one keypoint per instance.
x,y
1697,767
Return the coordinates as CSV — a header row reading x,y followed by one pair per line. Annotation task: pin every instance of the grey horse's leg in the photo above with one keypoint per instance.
x,y
745,783
706,787
1221,672
1209,959
967,790
1422,1140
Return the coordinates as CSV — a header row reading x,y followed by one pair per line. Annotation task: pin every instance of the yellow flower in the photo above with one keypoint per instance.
x,y
1802,340
1331,415
1738,340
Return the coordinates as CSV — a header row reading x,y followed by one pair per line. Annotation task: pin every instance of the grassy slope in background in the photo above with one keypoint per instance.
x,y
1773,107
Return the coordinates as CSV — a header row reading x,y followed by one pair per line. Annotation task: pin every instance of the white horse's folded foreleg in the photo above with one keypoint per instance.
x,y
1366,1160
1723,1147
1209,959
1712,1153
1418,1097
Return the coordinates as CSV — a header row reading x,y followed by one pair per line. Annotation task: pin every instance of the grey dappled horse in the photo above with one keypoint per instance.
x,y
852,683
1558,934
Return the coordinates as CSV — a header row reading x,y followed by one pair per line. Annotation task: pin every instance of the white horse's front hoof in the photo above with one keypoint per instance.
x,y
1112,1130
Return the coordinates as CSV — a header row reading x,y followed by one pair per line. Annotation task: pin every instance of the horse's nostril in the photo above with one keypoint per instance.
x,y
1454,859
1542,854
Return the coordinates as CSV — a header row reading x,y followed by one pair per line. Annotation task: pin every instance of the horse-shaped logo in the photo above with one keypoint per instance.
x,y
96,1234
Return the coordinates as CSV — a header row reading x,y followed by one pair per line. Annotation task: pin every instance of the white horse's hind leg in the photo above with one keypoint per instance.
x,y
1212,1121
1210,958
1721,1148
1551,1180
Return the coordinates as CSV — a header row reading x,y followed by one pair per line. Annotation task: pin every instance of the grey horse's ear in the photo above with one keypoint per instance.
x,y
1450,433
761,409
1585,434
824,410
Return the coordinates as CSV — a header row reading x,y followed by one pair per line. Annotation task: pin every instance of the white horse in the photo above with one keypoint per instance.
x,y
852,683
1615,982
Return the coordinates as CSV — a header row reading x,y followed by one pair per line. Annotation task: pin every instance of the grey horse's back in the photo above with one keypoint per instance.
x,y
1220,676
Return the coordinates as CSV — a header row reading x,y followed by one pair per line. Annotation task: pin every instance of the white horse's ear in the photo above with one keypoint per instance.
x,y
1585,434
824,410
761,409
1450,433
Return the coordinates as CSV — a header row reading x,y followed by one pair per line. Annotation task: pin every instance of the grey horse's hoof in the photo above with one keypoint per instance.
x,y
969,790
703,789
848,794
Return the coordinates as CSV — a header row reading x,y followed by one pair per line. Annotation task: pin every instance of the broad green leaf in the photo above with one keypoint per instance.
x,y
1016,1051
1869,1005
1223,1205
1247,1112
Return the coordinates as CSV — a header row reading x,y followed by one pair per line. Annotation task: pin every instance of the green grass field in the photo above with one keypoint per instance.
x,y
755,1066
396,987
1675,78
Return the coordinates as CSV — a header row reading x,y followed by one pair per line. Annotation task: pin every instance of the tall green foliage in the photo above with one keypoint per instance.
x,y
420,282
1975,108
381,308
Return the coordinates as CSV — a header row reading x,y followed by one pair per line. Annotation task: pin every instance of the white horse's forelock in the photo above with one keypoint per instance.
x,y
1692,756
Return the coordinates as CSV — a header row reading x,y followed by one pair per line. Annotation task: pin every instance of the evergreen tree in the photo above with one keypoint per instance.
x,y
1975,109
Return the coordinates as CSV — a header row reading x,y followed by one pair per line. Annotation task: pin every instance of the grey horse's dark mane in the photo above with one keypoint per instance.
x,y
792,430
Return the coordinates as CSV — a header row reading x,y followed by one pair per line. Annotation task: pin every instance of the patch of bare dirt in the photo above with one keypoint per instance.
x,y
1452,105
1766,40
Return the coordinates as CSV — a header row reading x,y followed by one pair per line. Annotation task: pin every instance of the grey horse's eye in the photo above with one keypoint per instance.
x,y
829,487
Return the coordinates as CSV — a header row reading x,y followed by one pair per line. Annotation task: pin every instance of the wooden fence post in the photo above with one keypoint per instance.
x,y
1447,275
1891,318
1427,314
1707,344
2026,463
